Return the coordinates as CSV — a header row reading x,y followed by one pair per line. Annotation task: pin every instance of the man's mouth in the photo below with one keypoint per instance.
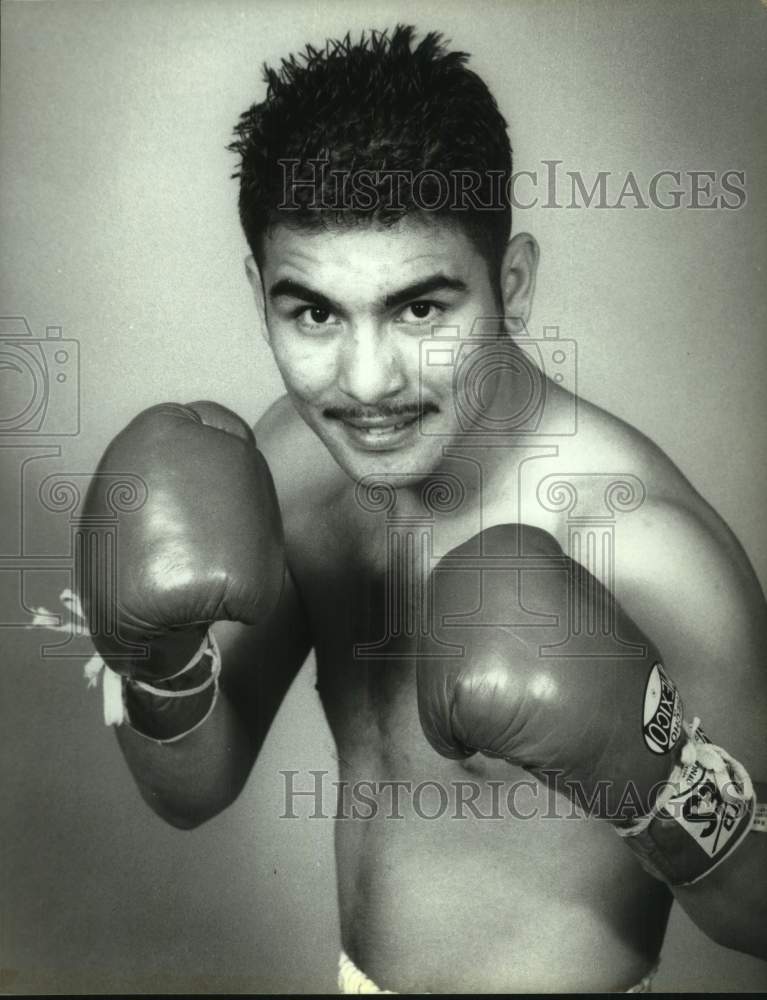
x,y
381,432
381,426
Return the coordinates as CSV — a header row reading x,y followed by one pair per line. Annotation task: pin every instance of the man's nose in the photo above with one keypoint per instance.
x,y
370,367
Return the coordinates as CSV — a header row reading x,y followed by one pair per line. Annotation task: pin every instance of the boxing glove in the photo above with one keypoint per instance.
x,y
203,542
518,678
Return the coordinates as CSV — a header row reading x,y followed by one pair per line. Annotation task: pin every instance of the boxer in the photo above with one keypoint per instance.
x,y
402,520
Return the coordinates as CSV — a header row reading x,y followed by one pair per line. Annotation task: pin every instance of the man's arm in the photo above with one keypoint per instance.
x,y
605,727
194,777
204,546
684,577
730,904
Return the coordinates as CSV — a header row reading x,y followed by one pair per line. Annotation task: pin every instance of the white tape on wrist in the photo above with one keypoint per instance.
x,y
190,666
115,713
208,647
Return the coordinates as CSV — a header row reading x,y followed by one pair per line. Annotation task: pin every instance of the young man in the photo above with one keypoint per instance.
x,y
516,602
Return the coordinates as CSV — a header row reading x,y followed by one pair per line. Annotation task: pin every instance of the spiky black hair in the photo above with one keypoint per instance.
x,y
378,107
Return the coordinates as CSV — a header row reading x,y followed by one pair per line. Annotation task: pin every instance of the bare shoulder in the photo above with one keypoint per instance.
x,y
665,521
666,502
300,464
280,431
607,445
681,573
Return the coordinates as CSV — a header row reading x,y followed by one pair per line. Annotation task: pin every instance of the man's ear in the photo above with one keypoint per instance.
x,y
254,277
518,270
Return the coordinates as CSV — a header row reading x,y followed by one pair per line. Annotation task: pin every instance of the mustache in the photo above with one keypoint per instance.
x,y
383,410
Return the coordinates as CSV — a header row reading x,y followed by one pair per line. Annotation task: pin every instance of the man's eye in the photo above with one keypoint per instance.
x,y
418,312
314,316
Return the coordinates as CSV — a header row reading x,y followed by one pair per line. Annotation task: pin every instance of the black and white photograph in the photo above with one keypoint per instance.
x,y
382,489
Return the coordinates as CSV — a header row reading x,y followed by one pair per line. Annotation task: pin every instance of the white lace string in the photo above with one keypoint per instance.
x,y
112,685
114,710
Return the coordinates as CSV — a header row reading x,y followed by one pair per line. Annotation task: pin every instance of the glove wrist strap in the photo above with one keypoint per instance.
x,y
703,813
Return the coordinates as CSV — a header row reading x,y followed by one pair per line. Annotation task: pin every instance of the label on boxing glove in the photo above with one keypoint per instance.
x,y
662,720
707,813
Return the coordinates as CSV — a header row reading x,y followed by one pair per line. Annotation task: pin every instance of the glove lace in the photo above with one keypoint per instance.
x,y
112,682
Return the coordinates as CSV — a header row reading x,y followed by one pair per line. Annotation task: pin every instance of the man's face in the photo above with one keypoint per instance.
x,y
346,312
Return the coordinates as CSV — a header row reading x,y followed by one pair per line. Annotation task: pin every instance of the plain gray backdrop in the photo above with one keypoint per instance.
x,y
119,225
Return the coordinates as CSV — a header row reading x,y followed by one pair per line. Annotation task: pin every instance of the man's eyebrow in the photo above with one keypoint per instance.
x,y
425,286
295,290
418,289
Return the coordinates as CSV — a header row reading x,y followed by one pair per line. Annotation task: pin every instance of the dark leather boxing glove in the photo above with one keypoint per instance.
x,y
205,544
607,730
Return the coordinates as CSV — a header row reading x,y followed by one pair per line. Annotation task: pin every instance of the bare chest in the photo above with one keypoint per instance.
x,y
363,571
